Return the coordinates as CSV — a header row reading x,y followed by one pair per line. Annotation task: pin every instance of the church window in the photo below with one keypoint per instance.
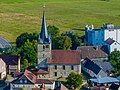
x,y
72,67
63,67
55,73
55,66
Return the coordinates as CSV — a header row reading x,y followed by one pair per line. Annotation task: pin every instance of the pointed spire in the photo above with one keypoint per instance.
x,y
43,37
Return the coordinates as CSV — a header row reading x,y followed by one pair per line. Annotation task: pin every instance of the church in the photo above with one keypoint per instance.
x,y
57,63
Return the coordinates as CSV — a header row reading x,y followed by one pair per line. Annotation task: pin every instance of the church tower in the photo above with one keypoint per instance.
x,y
44,44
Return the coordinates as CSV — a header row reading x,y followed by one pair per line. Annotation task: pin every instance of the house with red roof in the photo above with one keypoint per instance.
x,y
28,80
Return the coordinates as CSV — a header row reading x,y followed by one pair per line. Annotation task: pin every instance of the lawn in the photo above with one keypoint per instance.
x,y
18,16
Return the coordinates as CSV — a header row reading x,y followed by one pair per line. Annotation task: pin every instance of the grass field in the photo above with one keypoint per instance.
x,y
18,16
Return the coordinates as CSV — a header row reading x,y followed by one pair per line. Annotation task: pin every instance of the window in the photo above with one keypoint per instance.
x,y
64,73
115,49
43,55
25,81
47,46
72,67
43,47
55,66
55,74
63,67
20,81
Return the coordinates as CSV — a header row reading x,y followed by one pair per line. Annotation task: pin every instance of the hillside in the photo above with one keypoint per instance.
x,y
18,16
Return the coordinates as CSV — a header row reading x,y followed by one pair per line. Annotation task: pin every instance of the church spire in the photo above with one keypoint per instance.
x,y
44,37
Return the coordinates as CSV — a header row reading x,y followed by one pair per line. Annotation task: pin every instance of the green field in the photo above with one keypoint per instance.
x,y
18,16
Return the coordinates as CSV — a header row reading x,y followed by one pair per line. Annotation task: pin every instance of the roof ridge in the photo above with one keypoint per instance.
x,y
25,73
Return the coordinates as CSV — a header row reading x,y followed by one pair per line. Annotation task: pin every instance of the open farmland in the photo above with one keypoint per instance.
x,y
18,16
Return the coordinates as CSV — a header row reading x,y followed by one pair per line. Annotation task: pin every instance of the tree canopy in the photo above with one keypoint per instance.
x,y
24,37
53,31
115,59
74,80
28,52
76,40
63,42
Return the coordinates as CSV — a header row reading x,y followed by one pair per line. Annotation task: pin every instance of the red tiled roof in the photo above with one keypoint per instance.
x,y
29,75
41,72
45,81
64,57
91,52
62,87
17,73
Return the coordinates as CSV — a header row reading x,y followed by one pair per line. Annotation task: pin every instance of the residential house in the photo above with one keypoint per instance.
x,y
2,69
105,66
28,80
92,52
112,45
11,62
93,69
63,62
104,81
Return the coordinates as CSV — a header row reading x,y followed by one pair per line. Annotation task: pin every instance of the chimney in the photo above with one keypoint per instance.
x,y
92,26
18,63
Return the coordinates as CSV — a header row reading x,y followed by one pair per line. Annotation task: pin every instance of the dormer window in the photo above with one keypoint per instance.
x,y
25,81
21,81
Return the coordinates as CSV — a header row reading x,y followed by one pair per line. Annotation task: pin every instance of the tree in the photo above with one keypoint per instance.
x,y
28,52
63,42
74,80
24,37
11,51
54,32
76,40
115,60
25,64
